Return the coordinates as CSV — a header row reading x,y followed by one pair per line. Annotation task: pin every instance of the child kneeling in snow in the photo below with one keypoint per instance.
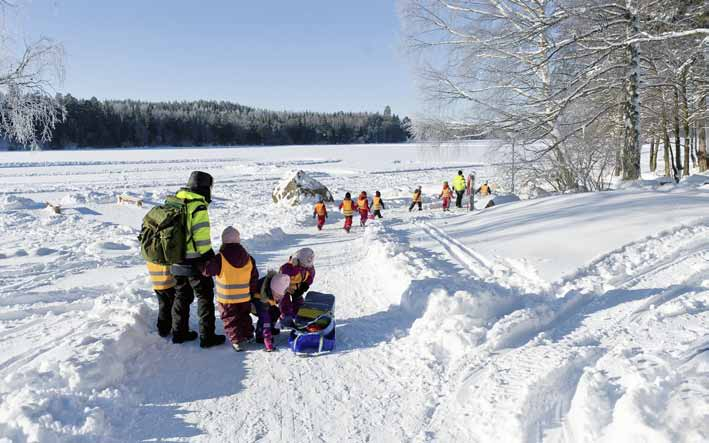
x,y
272,289
237,279
300,268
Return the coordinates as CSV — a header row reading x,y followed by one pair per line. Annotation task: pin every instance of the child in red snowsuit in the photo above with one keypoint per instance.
x,y
347,207
236,279
320,211
446,194
301,270
363,208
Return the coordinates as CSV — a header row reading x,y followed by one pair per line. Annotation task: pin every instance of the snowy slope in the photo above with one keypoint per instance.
x,y
568,318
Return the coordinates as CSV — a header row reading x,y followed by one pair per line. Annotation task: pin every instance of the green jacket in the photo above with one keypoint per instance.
x,y
199,235
459,183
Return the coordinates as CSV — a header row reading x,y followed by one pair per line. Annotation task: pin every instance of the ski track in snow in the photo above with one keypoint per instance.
x,y
435,340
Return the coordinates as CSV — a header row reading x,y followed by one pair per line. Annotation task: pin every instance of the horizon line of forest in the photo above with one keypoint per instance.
x,y
93,123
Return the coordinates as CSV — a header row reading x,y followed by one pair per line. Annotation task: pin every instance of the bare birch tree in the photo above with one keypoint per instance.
x,y
28,108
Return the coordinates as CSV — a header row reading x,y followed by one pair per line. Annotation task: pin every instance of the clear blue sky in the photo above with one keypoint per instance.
x,y
321,55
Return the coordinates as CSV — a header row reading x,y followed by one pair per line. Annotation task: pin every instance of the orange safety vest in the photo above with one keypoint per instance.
x,y
417,197
484,190
377,203
362,203
347,208
320,209
160,276
233,283
446,193
296,280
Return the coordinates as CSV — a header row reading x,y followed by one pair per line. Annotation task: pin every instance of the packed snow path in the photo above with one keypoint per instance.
x,y
501,325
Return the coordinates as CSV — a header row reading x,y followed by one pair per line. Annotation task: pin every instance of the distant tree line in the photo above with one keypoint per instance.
x,y
123,123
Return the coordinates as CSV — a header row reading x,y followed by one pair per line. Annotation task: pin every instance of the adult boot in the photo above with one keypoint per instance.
x,y
181,337
211,340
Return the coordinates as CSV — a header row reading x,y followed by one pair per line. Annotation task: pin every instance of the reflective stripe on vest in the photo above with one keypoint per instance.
x,y
160,277
296,280
232,283
347,208
376,203
446,193
362,203
320,209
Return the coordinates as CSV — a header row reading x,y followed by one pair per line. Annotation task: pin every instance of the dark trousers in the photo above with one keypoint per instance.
x,y
166,298
459,198
185,291
414,204
378,213
237,321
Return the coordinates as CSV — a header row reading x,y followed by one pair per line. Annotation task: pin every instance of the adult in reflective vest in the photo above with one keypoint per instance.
x,y
237,279
347,207
459,186
164,286
377,204
416,199
320,211
189,281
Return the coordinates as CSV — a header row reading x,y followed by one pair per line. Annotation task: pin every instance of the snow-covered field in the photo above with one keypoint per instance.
x,y
568,318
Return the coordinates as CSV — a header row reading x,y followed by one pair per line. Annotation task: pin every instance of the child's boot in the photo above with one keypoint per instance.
x,y
268,343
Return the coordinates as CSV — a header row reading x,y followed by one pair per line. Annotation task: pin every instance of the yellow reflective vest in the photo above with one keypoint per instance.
x,y
347,208
160,277
459,183
377,203
416,197
232,283
320,209
199,234
296,280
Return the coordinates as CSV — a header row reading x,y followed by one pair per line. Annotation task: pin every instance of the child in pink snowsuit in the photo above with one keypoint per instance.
x,y
301,271
363,208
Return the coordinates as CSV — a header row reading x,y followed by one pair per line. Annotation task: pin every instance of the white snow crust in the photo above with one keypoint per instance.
x,y
568,318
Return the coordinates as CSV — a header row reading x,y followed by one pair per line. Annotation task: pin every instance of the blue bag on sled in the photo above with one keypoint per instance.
x,y
314,330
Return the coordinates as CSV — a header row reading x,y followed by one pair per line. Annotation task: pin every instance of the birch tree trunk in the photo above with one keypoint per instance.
x,y
702,134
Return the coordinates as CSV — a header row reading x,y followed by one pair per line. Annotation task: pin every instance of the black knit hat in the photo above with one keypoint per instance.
x,y
199,179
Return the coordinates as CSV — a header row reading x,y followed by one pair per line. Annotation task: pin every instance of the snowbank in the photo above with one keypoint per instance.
x,y
14,202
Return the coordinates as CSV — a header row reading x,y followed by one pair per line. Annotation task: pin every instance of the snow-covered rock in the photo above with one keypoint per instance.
x,y
502,199
298,187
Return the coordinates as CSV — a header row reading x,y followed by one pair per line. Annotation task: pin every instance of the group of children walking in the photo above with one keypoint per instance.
x,y
373,209
363,206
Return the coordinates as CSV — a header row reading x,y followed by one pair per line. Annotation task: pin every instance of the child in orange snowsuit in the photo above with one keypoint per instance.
x,y
320,211
363,208
446,194
347,207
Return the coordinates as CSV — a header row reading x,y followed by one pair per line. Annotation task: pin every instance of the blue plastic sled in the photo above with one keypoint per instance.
x,y
314,331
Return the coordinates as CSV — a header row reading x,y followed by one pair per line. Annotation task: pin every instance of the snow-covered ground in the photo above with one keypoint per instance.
x,y
567,318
